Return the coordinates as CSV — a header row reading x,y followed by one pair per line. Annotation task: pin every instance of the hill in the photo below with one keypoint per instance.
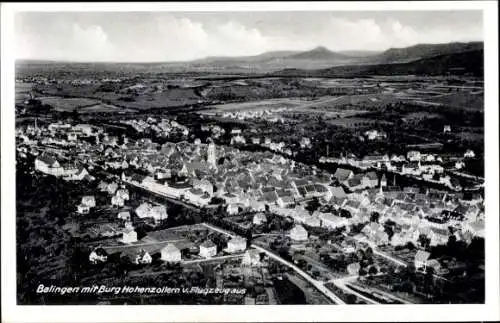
x,y
470,63
412,53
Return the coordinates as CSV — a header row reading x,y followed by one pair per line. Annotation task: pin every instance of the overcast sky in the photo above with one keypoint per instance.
x,y
146,37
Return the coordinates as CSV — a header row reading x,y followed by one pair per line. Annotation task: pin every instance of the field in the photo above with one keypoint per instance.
x,y
462,100
254,105
67,104
351,122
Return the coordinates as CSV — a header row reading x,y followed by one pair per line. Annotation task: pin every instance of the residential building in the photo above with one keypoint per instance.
x,y
170,253
298,233
208,249
236,244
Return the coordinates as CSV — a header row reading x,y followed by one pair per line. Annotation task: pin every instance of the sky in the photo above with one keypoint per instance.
x,y
183,36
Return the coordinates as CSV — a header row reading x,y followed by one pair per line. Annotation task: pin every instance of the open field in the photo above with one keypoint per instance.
x,y
462,100
67,104
254,105
351,122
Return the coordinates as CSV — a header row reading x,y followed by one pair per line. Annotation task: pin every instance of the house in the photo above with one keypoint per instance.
x,y
370,179
129,234
337,192
413,155
79,175
285,201
124,216
236,244
313,221
117,201
83,209
170,253
208,249
434,264
355,182
251,258
98,255
143,257
331,221
259,218
353,269
298,233
48,165
123,193
469,154
421,259
232,208
375,135
342,175
88,201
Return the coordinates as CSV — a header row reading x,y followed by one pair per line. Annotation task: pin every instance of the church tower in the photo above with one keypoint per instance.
x,y
211,160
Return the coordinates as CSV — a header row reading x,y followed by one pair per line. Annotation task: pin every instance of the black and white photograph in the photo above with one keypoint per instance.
x,y
191,156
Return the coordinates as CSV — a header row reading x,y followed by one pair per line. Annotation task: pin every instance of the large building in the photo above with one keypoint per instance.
x,y
170,253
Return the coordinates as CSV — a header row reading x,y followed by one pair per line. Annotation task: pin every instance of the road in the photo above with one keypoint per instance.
x,y
197,261
341,283
319,285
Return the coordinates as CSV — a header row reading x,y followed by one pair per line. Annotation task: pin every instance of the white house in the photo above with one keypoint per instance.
x,y
143,257
125,215
170,253
353,268
236,244
48,165
251,258
117,201
298,233
98,255
413,155
469,154
129,234
259,218
83,209
89,201
332,221
208,249
79,175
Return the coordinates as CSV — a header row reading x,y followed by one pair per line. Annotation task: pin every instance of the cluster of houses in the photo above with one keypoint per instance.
x,y
429,167
162,127
143,251
263,114
255,181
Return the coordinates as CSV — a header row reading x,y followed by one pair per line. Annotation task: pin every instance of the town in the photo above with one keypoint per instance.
x,y
223,205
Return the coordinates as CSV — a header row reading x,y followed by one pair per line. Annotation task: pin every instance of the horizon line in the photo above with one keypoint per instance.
x,y
240,56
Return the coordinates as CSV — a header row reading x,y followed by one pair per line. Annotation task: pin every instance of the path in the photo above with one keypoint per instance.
x,y
319,285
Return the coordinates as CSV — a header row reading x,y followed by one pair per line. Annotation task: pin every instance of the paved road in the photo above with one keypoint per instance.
x,y
319,285
341,283
197,261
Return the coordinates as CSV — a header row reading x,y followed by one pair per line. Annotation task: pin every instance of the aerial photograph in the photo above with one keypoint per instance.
x,y
249,158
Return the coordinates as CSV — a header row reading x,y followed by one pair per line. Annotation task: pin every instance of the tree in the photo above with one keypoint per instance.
x,y
373,270
424,241
313,205
374,217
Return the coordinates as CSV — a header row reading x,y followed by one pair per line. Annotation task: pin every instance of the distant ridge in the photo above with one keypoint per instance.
x,y
316,58
462,63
